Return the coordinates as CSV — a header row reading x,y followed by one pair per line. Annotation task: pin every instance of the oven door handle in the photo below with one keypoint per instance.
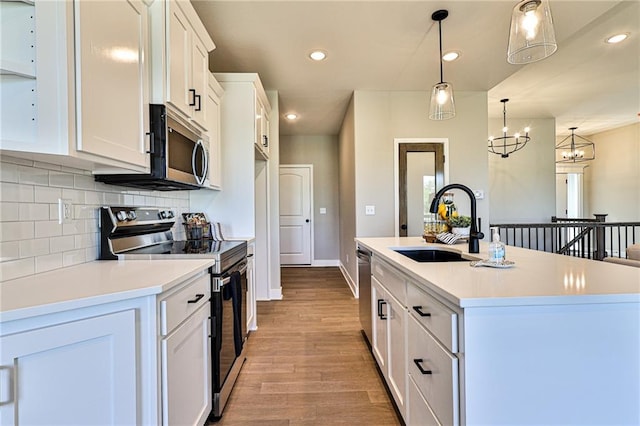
x,y
226,280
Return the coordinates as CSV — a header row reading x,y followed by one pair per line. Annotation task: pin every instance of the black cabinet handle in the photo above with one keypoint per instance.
x,y
199,107
380,314
197,298
265,141
418,363
418,309
152,143
193,96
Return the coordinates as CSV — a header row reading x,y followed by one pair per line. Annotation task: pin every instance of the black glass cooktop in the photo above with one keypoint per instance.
x,y
202,247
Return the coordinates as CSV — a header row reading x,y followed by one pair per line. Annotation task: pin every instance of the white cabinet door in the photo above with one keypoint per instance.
x,y
251,291
397,363
199,80
379,311
81,373
179,60
213,129
186,372
418,411
111,39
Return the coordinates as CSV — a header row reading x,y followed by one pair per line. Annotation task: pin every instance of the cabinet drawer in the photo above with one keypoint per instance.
x,y
391,279
441,321
176,307
419,413
438,380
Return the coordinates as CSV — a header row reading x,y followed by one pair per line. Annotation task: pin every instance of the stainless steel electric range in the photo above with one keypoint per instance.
x,y
131,233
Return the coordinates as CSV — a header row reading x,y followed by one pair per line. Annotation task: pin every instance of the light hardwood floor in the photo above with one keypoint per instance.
x,y
307,364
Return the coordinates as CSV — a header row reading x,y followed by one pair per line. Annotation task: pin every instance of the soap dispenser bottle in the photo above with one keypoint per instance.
x,y
496,248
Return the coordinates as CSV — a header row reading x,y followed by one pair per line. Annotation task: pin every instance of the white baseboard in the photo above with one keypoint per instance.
x,y
275,293
326,262
347,277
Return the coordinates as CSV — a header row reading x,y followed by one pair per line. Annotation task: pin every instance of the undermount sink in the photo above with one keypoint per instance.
x,y
431,255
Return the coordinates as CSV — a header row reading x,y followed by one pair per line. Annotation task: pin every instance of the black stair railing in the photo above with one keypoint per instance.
x,y
588,238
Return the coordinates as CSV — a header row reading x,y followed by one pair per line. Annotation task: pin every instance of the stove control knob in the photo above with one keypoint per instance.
x,y
121,215
169,214
162,214
131,215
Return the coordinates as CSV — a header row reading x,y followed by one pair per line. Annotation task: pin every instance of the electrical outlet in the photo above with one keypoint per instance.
x,y
369,210
65,211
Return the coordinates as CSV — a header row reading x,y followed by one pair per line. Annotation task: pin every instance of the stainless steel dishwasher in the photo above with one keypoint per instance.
x,y
364,291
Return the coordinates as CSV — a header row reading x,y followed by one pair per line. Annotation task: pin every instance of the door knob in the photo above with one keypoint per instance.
x,y
307,220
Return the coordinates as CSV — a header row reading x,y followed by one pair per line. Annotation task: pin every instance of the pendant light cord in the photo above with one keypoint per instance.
x,y
440,38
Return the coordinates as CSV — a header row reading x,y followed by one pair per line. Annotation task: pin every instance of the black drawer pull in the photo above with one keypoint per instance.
x,y
198,297
380,314
193,93
418,363
418,309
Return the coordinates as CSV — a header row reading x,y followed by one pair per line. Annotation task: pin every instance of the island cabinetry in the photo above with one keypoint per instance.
x,y
388,295
186,354
70,65
74,372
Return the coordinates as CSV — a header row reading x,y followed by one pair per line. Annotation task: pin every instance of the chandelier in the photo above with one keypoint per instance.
x,y
531,36
506,144
442,106
575,149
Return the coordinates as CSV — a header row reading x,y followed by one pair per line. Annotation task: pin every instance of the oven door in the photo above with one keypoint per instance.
x,y
227,351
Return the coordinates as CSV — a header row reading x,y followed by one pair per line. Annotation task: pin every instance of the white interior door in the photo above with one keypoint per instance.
x,y
295,215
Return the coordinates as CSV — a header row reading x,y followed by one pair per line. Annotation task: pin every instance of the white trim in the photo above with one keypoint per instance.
x,y
396,166
312,212
274,294
325,262
347,277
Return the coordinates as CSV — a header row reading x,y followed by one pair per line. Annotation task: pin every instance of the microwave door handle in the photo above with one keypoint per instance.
x,y
205,162
199,179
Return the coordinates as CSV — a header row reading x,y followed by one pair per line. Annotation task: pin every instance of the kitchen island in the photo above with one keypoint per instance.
x,y
552,340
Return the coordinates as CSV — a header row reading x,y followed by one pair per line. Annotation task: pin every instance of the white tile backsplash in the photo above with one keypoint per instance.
x,y
31,239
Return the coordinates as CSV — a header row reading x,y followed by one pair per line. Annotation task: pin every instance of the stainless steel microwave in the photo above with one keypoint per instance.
x,y
179,156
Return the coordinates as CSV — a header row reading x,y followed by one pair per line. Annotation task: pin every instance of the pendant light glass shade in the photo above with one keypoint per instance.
x,y
575,149
442,106
531,36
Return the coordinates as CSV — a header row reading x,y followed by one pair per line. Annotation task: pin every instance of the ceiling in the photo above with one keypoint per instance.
x,y
393,46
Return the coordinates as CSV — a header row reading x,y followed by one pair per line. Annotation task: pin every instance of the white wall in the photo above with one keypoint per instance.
x,y
322,152
31,239
612,180
372,122
523,186
381,117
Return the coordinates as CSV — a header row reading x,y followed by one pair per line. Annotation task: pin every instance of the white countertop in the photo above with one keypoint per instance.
x,y
92,283
538,278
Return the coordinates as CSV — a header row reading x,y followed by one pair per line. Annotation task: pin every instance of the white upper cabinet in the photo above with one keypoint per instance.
x,y
214,98
75,82
180,59
112,76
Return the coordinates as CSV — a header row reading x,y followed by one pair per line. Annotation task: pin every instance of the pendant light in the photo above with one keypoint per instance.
x,y
531,36
442,106
575,149
507,144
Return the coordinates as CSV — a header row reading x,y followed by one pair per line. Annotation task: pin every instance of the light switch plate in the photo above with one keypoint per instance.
x,y
479,194
369,210
323,210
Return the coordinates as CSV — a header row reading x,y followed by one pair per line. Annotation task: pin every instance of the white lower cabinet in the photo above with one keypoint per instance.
x,y
389,338
252,317
186,353
79,372
418,411
186,382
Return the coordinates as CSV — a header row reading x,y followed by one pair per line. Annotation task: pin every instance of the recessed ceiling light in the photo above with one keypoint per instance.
x,y
450,56
317,55
291,116
617,38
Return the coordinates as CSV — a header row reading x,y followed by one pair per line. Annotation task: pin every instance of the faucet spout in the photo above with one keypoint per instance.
x,y
474,233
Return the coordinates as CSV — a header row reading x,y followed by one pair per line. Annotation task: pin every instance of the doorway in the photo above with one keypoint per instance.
x,y
421,172
296,195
